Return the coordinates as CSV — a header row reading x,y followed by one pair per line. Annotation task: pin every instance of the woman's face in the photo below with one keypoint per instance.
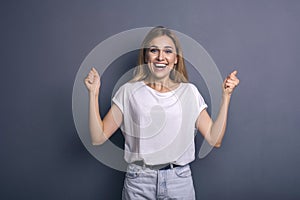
x,y
161,56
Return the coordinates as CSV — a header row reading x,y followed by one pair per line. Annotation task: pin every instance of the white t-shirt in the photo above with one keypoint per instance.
x,y
159,127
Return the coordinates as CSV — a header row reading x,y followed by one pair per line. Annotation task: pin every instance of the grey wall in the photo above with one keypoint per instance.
x,y
44,42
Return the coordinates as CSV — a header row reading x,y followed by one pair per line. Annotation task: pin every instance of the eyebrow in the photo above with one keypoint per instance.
x,y
167,47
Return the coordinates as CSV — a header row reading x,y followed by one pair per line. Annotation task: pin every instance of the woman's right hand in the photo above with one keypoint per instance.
x,y
92,81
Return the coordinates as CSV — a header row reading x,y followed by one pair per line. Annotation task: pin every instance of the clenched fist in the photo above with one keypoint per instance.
x,y
230,83
92,81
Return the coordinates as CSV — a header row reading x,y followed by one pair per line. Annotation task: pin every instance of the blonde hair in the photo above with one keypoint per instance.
x,y
141,72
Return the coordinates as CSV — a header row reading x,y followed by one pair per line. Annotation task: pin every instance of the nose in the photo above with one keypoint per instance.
x,y
161,55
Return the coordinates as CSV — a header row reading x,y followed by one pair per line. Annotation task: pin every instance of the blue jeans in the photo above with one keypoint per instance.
x,y
144,183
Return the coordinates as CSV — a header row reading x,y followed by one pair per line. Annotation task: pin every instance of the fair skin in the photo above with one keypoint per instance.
x,y
161,59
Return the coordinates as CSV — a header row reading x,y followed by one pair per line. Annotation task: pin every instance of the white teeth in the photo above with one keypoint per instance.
x,y
160,65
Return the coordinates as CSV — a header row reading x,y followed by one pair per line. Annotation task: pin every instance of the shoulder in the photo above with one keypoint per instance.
x,y
191,89
189,86
129,87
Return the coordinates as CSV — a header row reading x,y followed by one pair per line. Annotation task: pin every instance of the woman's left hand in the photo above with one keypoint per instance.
x,y
230,82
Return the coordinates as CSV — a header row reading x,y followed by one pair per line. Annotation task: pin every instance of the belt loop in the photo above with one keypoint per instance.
x,y
171,164
144,166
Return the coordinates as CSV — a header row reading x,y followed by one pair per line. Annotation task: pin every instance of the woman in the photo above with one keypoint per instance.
x,y
158,111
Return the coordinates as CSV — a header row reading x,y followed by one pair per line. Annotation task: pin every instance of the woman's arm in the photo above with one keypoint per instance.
x,y
214,132
100,130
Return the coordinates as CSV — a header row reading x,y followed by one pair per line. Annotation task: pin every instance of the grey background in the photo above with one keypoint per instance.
x,y
44,42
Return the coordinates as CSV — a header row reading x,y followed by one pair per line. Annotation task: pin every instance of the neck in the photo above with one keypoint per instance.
x,y
161,85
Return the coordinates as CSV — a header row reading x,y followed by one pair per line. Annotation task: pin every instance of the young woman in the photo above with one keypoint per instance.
x,y
158,111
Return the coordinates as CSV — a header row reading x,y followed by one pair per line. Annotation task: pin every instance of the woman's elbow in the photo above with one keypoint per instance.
x,y
97,143
218,145
97,138
215,144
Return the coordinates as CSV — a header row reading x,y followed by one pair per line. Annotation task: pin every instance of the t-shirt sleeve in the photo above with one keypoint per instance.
x,y
201,105
119,97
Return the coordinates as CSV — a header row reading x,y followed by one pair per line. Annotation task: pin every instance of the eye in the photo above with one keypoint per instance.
x,y
153,50
168,51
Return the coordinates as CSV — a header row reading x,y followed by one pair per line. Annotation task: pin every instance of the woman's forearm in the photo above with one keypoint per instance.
x,y
219,126
214,132
95,121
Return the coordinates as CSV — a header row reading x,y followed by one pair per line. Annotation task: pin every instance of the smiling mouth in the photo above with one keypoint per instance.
x,y
160,65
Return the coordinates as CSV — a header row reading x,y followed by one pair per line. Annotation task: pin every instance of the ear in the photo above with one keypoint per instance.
x,y
176,60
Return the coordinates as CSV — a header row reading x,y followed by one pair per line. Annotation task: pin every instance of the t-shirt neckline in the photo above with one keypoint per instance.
x,y
162,93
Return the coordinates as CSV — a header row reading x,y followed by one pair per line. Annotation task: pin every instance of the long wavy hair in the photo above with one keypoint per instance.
x,y
141,72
